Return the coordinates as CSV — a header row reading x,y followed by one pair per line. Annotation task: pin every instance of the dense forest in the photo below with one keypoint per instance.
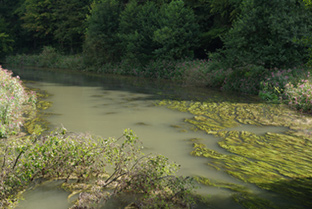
x,y
244,41
149,29
271,33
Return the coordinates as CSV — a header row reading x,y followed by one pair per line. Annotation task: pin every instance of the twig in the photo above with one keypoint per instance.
x,y
19,155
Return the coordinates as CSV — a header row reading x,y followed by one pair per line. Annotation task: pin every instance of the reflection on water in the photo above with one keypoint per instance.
x,y
106,106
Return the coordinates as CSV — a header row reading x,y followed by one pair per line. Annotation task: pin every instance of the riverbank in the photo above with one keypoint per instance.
x,y
289,86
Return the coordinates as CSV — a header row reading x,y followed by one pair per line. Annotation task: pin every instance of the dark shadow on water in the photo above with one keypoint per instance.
x,y
157,89
292,193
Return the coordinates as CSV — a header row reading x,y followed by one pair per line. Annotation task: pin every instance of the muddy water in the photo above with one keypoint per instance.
x,y
106,106
48,196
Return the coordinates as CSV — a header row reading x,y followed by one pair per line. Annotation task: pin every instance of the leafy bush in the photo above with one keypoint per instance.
x,y
245,79
49,57
273,84
85,157
13,98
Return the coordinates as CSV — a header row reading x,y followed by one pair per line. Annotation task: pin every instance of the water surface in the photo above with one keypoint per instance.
x,y
107,105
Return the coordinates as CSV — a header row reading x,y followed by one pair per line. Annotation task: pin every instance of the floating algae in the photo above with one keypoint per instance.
x,y
275,162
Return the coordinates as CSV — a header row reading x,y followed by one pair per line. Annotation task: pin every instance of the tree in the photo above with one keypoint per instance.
x,y
158,30
268,33
38,19
215,18
308,2
69,17
6,42
138,22
178,31
102,44
10,25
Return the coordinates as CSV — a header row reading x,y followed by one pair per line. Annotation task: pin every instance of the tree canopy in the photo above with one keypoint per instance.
x,y
268,33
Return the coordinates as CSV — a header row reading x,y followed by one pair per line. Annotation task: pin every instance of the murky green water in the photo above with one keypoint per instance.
x,y
106,106
46,196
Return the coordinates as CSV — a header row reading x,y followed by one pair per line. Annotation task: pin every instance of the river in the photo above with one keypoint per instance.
x,y
106,105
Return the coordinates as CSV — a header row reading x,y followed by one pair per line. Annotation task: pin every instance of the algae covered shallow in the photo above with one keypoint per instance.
x,y
276,162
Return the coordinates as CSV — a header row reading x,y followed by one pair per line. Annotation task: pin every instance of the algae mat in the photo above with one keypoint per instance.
x,y
280,163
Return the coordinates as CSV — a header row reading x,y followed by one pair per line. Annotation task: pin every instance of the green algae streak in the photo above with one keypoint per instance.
x,y
276,162
36,122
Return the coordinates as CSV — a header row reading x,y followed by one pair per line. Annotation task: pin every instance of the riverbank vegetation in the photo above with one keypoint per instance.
x,y
14,102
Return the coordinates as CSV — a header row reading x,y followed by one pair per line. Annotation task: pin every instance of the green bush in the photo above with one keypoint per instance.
x,y
83,157
245,79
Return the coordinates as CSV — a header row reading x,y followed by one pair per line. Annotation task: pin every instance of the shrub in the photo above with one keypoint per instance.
x,y
85,157
299,96
273,85
245,79
13,98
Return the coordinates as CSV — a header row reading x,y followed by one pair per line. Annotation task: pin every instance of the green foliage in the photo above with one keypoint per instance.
x,y
49,57
287,86
6,42
270,93
267,33
215,18
244,79
10,26
78,156
308,2
69,18
228,9
137,25
139,32
58,23
178,33
38,17
102,44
